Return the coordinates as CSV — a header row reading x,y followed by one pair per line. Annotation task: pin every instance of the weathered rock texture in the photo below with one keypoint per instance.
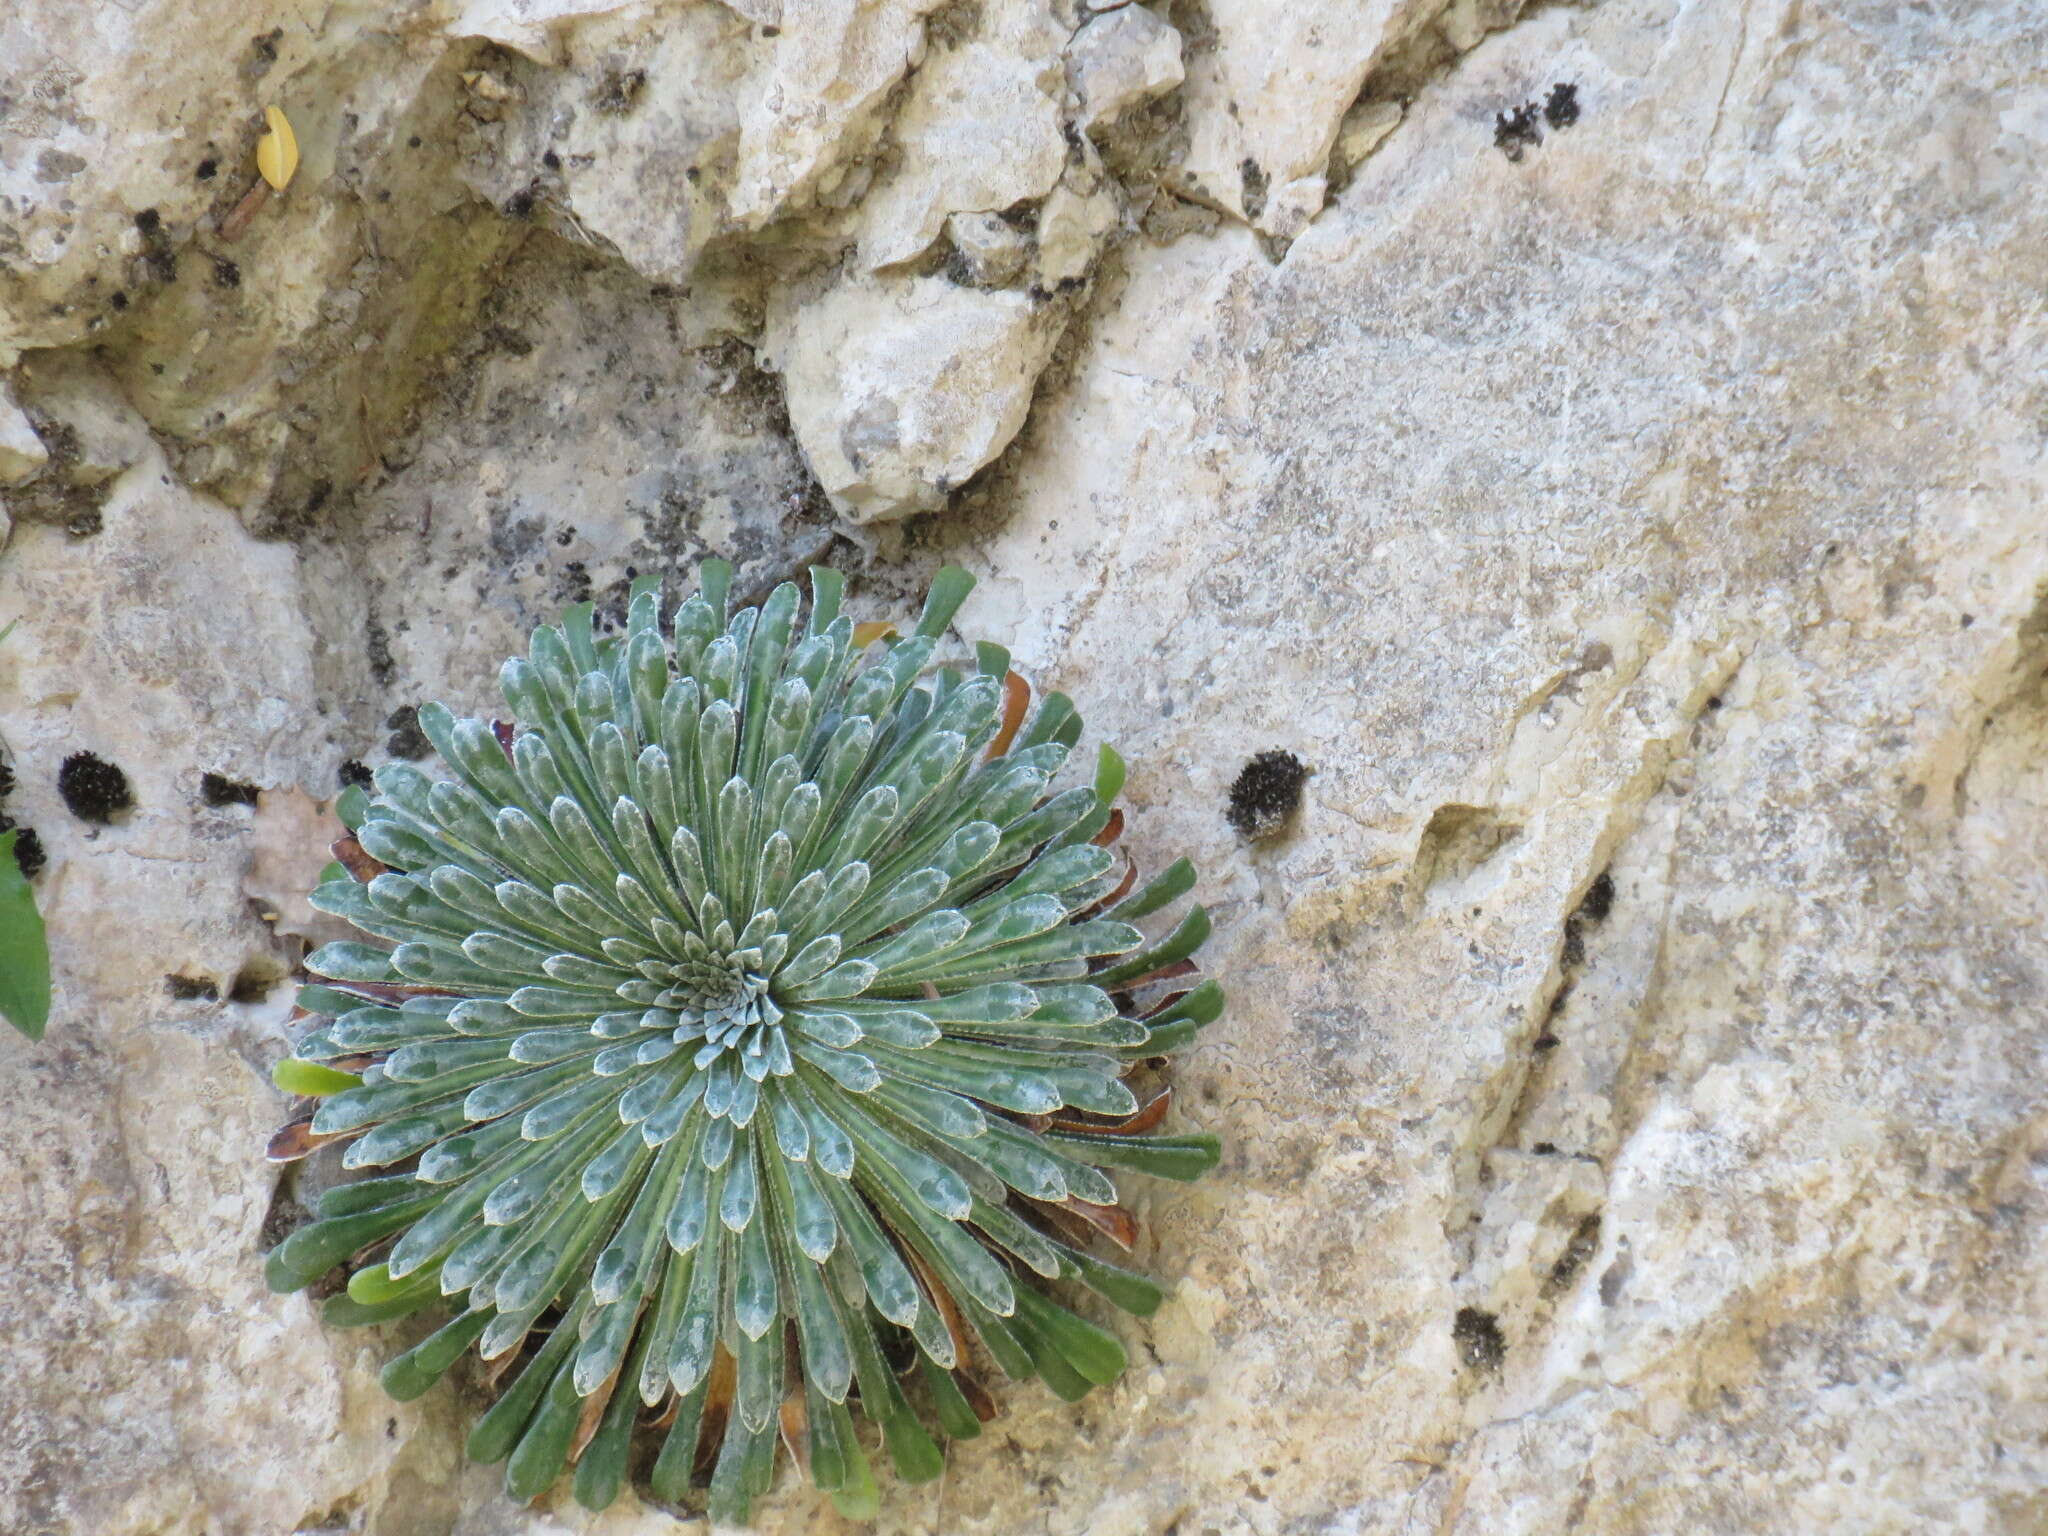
x,y
1631,500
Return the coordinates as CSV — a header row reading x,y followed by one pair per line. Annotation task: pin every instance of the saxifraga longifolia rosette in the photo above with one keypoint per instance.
x,y
762,1031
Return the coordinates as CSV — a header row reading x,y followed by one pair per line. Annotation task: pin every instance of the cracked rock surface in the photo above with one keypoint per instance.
x,y
1607,444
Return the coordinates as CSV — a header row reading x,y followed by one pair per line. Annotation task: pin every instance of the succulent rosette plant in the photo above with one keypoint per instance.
x,y
756,1034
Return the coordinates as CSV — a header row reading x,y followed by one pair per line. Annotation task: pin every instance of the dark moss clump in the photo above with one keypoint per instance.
x,y
619,90
1561,107
93,788
1599,899
217,790
1478,1337
406,740
1516,131
354,775
1266,792
192,989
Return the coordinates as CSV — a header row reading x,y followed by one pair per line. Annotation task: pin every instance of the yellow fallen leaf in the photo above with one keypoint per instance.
x,y
277,152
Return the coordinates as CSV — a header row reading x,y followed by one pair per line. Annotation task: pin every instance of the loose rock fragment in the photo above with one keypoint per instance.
x,y
992,251
1122,60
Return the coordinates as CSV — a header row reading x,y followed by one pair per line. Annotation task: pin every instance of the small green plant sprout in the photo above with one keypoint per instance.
x,y
24,946
756,1038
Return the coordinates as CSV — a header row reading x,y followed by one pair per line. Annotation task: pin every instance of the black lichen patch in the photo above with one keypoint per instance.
x,y
1266,792
1253,182
407,740
262,54
1593,907
93,788
353,774
1520,129
1599,899
1478,1337
217,790
159,260
207,168
226,274
1561,107
377,651
574,584
192,989
1585,1242
252,983
619,90
1516,132
28,847
28,852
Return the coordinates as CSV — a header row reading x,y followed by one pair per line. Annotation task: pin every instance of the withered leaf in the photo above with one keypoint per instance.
x,y
1016,702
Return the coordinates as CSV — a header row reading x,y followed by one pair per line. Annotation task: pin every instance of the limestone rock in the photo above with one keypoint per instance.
x,y
1364,129
1074,222
900,389
979,132
22,454
1267,94
992,251
1120,60
630,145
813,97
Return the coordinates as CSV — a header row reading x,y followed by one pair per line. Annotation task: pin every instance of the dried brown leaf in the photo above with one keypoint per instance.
x,y
719,1386
592,1415
1112,1221
350,855
978,1396
494,1370
295,1139
1172,972
1016,703
947,1308
1147,1118
796,1424
1123,889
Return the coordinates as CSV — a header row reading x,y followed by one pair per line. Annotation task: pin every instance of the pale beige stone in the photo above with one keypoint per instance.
x,y
978,133
900,389
22,454
1122,60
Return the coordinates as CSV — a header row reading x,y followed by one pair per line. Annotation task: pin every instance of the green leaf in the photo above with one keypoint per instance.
x,y
353,808
24,948
956,1416
1166,1157
310,1078
1096,1353
949,590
